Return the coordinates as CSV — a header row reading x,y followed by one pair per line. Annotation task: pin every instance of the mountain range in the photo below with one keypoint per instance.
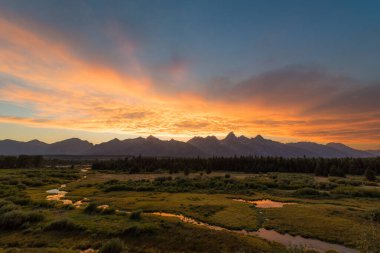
x,y
208,146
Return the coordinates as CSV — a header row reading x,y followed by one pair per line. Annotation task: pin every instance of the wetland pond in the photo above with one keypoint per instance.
x,y
58,195
270,235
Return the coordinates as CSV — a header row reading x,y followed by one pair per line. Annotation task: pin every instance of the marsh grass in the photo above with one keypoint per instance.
x,y
64,225
339,216
19,219
112,246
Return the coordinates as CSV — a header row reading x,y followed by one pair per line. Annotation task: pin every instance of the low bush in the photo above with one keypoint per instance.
x,y
325,186
307,192
112,246
19,219
373,215
369,183
64,225
21,200
136,231
109,210
44,204
163,179
136,215
8,207
370,175
91,208
356,192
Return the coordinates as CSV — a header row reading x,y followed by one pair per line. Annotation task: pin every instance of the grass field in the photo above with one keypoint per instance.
x,y
330,209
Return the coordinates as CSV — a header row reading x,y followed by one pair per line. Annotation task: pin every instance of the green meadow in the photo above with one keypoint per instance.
x,y
344,211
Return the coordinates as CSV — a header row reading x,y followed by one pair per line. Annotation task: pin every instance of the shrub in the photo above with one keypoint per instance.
x,y
22,201
307,192
163,179
64,225
8,207
336,172
370,175
109,210
136,215
325,186
3,203
136,231
373,215
19,219
68,207
356,192
370,183
91,208
44,204
32,183
112,246
355,183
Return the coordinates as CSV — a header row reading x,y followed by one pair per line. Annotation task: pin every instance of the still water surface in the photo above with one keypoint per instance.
x,y
270,235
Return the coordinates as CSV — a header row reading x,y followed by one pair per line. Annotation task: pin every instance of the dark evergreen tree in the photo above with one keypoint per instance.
x,y
370,175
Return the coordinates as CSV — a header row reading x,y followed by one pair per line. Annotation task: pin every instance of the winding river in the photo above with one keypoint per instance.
x,y
270,235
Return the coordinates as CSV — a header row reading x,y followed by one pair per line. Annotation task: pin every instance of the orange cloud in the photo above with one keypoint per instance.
x,y
67,91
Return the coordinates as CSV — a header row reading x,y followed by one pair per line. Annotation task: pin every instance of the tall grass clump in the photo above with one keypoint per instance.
x,y
19,219
91,208
112,246
135,215
64,225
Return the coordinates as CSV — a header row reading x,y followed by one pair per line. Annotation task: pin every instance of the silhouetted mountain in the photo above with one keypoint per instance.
x,y
150,146
71,146
10,147
330,150
258,146
374,152
348,151
67,147
316,150
210,146
231,145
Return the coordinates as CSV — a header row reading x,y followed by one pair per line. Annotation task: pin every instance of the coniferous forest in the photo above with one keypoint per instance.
x,y
251,164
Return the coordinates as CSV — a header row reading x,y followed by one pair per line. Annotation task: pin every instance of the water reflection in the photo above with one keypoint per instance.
x,y
270,235
265,203
58,195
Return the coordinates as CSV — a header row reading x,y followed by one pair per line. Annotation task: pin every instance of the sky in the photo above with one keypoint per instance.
x,y
289,70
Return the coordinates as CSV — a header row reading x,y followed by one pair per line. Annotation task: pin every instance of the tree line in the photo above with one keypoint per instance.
x,y
38,161
253,164
22,161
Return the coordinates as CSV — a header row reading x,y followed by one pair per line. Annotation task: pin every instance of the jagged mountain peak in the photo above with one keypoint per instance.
x,y
243,138
230,136
152,138
258,138
200,138
197,146
35,141
72,140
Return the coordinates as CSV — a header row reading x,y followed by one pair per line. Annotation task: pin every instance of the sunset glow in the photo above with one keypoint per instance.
x,y
105,75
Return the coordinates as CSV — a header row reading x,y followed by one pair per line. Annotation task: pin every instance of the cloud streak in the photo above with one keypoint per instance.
x,y
72,91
